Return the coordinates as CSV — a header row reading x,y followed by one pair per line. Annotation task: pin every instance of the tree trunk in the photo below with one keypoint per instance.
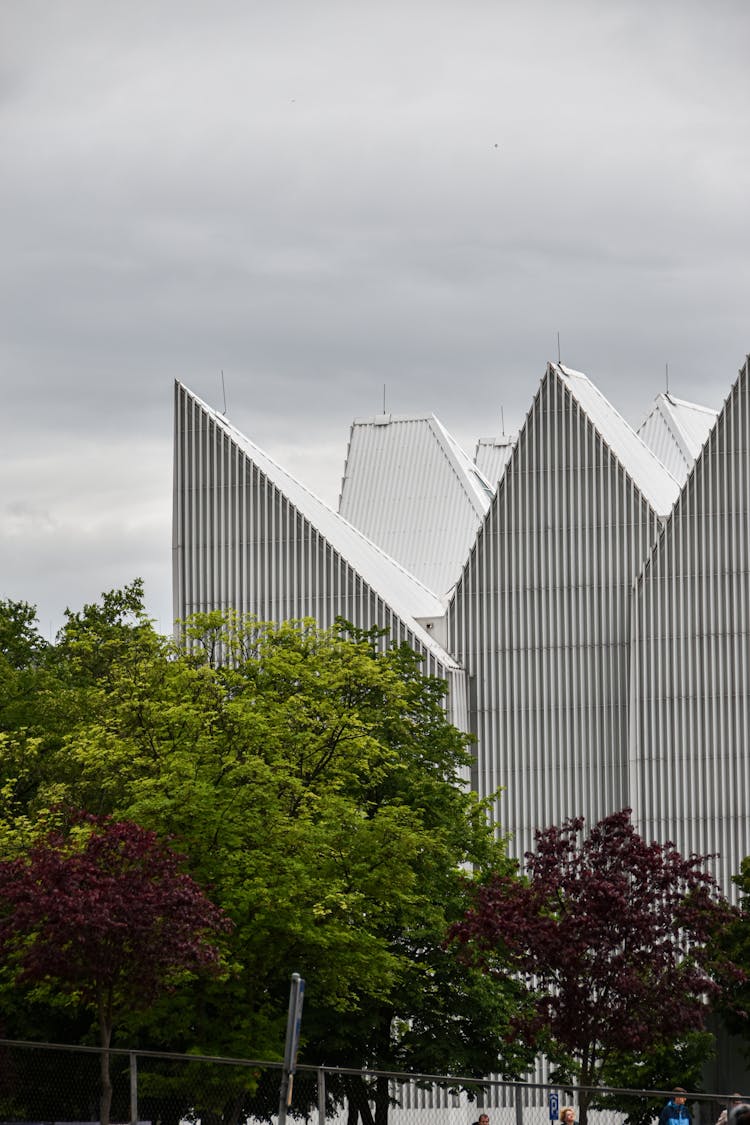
x,y
352,1113
358,1101
105,1037
586,1078
382,1100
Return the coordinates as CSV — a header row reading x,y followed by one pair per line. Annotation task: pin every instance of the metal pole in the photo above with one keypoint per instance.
x,y
519,1105
321,1097
293,1023
133,1088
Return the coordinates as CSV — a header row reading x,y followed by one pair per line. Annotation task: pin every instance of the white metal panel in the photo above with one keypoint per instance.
x,y
492,455
388,576
411,489
540,616
676,431
689,752
249,537
571,716
652,478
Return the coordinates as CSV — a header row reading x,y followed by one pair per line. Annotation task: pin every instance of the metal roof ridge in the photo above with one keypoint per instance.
x,y
473,479
664,406
645,478
438,607
683,402
369,419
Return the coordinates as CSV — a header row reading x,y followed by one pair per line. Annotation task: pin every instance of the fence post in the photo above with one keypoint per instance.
x,y
519,1105
321,1097
133,1088
293,1022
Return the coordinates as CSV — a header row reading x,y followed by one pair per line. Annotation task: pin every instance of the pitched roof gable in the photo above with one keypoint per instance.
x,y
491,455
406,595
410,487
676,431
647,472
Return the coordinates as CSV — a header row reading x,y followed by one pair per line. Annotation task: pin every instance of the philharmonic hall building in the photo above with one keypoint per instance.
x,y
583,588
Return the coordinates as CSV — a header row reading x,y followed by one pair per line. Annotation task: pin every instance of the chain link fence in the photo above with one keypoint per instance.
x,y
47,1084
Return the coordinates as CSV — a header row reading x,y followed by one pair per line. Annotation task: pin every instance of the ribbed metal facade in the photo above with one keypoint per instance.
x,y
598,639
676,431
492,455
239,542
412,490
540,619
689,759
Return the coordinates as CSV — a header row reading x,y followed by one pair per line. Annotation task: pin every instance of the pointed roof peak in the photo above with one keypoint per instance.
x,y
676,431
410,486
655,482
405,593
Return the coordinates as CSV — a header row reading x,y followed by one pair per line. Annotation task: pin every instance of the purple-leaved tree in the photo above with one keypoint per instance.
x,y
614,938
106,913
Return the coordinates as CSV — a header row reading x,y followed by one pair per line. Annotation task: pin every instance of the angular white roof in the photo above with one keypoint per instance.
x,y
676,431
493,454
409,598
412,489
655,482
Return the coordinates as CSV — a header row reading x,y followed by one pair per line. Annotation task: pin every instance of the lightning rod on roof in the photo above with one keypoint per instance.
x,y
558,347
666,375
502,422
223,391
384,398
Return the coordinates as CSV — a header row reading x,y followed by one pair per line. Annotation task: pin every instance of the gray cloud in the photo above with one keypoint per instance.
x,y
320,200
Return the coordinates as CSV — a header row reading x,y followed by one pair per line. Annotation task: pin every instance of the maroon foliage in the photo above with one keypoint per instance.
x,y
107,914
613,936
114,912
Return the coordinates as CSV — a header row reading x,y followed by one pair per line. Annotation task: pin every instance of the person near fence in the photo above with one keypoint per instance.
x,y
483,1119
568,1116
739,1113
734,1101
675,1112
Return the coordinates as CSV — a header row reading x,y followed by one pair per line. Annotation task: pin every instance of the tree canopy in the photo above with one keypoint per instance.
x,y
105,914
314,784
316,789
615,938
735,946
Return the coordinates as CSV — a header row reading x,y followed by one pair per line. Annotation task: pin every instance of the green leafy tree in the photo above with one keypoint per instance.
x,y
735,946
25,684
49,690
313,781
663,1066
22,656
21,643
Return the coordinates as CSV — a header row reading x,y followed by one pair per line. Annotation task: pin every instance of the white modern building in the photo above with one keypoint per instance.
x,y
583,588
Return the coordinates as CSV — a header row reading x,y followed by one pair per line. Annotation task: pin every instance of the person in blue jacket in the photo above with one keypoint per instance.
x,y
675,1112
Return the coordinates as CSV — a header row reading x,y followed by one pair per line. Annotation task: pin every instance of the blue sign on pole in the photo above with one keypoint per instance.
x,y
554,1106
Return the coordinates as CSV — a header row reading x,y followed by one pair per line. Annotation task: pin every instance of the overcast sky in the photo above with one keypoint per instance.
x,y
320,199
